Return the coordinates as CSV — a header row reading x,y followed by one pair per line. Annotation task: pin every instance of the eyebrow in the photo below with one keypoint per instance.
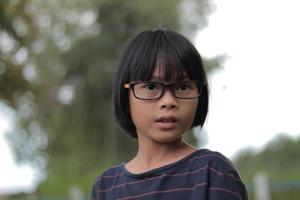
x,y
157,78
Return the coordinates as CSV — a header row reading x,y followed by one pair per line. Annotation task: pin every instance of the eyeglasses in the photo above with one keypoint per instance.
x,y
151,90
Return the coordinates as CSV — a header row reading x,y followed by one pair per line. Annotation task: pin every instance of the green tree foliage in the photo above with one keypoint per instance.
x,y
57,64
279,160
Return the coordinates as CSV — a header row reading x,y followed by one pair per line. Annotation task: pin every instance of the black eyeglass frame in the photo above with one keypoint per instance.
x,y
166,86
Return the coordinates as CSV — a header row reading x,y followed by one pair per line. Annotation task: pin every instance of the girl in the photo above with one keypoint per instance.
x,y
160,93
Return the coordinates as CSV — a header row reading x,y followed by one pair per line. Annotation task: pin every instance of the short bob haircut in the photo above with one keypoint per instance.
x,y
175,54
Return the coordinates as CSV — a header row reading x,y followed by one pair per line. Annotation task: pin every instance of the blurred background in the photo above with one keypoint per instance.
x,y
57,64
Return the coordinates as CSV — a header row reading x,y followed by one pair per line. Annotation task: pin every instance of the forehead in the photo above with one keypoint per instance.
x,y
161,73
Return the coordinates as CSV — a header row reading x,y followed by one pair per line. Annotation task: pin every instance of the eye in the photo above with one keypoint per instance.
x,y
150,86
183,86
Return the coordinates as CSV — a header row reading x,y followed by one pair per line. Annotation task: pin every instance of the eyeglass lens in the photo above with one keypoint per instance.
x,y
154,90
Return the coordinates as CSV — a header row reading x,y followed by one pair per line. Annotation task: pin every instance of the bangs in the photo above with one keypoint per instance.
x,y
157,50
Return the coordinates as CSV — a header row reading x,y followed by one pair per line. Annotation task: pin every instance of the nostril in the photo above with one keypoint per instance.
x,y
169,105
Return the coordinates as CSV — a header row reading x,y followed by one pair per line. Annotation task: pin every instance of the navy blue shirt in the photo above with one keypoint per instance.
x,y
202,175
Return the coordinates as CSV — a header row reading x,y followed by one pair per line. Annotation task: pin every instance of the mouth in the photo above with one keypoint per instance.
x,y
166,122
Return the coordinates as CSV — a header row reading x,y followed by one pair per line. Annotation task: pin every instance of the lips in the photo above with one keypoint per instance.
x,y
166,122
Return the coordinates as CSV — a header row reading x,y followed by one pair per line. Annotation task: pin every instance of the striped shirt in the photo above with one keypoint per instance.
x,y
202,175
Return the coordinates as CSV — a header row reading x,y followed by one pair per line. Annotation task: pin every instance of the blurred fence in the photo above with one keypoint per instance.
x,y
42,198
263,189
75,193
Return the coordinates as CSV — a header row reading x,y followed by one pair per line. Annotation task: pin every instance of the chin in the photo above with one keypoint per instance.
x,y
170,139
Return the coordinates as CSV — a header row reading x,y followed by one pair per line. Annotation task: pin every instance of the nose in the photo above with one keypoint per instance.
x,y
168,100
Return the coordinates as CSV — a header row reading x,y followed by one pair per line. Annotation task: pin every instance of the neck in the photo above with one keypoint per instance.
x,y
153,154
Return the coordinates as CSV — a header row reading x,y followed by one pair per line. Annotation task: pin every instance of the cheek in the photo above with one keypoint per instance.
x,y
137,110
194,107
190,112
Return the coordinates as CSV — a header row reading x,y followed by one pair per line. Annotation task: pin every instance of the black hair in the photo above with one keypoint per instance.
x,y
148,49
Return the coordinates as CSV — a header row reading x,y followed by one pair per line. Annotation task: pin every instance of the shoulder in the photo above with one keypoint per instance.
x,y
109,174
213,159
106,179
221,175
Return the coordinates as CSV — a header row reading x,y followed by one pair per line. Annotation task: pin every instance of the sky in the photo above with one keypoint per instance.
x,y
13,177
254,96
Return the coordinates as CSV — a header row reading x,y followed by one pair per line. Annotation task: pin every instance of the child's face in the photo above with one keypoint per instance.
x,y
165,119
